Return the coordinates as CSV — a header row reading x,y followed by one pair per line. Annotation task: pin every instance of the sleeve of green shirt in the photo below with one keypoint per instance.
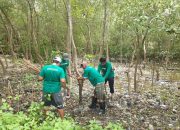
x,y
99,68
85,74
42,72
62,75
65,64
109,67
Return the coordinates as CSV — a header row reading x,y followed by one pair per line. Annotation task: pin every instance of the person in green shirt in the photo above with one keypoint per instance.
x,y
106,70
98,82
65,66
53,79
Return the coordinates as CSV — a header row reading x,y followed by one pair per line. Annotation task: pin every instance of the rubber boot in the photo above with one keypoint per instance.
x,y
102,107
93,104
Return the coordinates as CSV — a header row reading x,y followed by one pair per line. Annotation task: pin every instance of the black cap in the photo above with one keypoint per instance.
x,y
102,59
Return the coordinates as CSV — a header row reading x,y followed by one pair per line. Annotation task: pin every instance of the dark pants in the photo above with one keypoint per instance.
x,y
54,99
111,84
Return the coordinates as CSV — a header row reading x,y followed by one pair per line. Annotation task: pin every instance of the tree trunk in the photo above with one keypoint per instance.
x,y
3,68
135,75
121,45
129,80
89,39
70,43
107,51
4,58
144,50
71,39
32,27
153,70
10,29
103,42
139,45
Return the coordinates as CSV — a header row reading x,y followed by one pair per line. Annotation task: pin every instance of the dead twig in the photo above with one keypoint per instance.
x,y
29,65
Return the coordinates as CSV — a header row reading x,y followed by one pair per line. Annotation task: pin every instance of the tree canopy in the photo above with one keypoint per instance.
x,y
35,28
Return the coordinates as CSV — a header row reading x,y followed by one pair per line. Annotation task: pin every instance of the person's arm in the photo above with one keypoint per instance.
x,y
108,71
69,72
41,75
84,75
40,78
99,68
63,82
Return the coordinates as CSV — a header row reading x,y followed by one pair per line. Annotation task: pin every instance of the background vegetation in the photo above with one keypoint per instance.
x,y
34,28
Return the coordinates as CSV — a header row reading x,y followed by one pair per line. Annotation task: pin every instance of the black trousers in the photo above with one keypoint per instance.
x,y
111,84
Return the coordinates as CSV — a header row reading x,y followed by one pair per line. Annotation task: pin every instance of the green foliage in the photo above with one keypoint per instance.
x,y
113,126
5,106
29,77
53,54
94,125
126,20
36,120
90,58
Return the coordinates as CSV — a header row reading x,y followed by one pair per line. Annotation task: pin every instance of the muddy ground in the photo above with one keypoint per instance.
x,y
154,106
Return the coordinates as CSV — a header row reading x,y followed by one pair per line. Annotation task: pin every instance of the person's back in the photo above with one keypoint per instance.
x,y
53,78
64,64
93,75
52,75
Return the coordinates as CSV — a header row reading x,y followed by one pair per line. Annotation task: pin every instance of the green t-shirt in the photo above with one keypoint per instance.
x,y
106,70
52,74
64,65
93,75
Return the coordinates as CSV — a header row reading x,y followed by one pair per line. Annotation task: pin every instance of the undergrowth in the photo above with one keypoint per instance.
x,y
35,119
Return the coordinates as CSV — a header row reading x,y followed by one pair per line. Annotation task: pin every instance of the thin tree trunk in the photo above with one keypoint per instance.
x,y
157,72
9,28
15,32
87,50
139,45
153,70
89,39
107,52
71,42
71,39
101,52
144,50
129,80
121,45
32,30
69,48
3,68
10,39
135,75
4,58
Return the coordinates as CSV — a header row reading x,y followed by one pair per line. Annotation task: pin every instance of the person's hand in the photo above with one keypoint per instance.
x,y
79,78
70,75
